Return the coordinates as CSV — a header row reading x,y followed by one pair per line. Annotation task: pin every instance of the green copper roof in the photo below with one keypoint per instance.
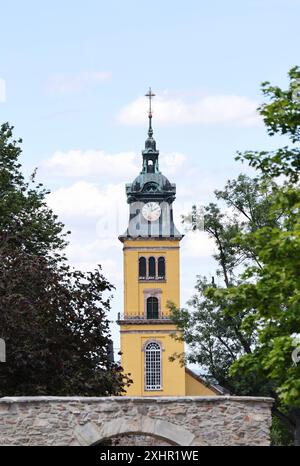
x,y
150,183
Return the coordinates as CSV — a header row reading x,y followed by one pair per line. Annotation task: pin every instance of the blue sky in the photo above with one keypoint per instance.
x,y
72,77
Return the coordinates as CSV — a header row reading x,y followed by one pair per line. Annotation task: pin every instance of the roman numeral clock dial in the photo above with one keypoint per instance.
x,y
151,211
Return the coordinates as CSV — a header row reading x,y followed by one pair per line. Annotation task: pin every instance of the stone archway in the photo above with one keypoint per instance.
x,y
92,434
183,421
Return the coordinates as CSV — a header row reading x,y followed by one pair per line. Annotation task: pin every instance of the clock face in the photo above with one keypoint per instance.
x,y
151,211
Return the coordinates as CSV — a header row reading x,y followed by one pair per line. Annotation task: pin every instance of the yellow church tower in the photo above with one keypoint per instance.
x,y
151,280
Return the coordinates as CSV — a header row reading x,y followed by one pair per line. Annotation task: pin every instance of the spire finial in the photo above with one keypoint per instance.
x,y
150,94
150,154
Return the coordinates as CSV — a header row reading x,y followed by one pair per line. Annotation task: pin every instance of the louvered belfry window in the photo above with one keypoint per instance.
x,y
153,366
161,268
152,268
142,268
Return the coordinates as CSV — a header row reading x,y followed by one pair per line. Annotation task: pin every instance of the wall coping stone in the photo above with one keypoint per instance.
x,y
136,399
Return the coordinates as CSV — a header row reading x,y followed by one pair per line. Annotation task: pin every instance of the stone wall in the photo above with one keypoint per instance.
x,y
219,420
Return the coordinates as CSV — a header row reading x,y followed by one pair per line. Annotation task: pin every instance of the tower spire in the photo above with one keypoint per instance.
x,y
150,154
150,94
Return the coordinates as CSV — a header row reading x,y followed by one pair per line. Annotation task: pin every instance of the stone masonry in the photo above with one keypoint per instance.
x,y
218,420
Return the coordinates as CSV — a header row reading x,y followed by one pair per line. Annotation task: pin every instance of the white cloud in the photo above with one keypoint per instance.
x,y
76,82
100,165
198,244
208,109
2,91
83,199
92,163
171,163
106,252
93,206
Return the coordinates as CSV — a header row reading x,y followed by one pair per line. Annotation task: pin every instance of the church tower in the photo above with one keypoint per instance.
x,y
151,280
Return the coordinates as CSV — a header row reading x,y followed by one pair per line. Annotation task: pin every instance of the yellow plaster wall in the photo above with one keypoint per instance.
x,y
173,375
194,387
134,289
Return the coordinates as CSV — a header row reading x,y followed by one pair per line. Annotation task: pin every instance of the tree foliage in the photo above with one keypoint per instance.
x,y
217,339
281,115
266,294
52,318
24,211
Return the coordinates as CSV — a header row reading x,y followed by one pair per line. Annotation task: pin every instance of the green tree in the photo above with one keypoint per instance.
x,y
281,115
23,206
52,318
267,292
274,290
216,339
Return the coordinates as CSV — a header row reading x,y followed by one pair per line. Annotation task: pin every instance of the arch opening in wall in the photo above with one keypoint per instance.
x,y
135,439
142,268
161,268
141,425
151,268
152,308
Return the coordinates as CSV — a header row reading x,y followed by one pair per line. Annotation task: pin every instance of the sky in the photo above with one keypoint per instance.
x,y
72,81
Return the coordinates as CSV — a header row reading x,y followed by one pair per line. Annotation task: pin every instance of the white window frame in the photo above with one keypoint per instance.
x,y
153,366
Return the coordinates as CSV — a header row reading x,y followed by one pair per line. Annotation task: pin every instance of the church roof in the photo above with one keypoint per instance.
x,y
217,389
154,185
151,186
150,183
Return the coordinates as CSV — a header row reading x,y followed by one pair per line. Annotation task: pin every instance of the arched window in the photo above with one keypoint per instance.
x,y
142,268
153,366
150,166
152,308
161,268
151,270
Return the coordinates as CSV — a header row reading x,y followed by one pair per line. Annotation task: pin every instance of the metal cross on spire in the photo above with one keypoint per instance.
x,y
150,94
